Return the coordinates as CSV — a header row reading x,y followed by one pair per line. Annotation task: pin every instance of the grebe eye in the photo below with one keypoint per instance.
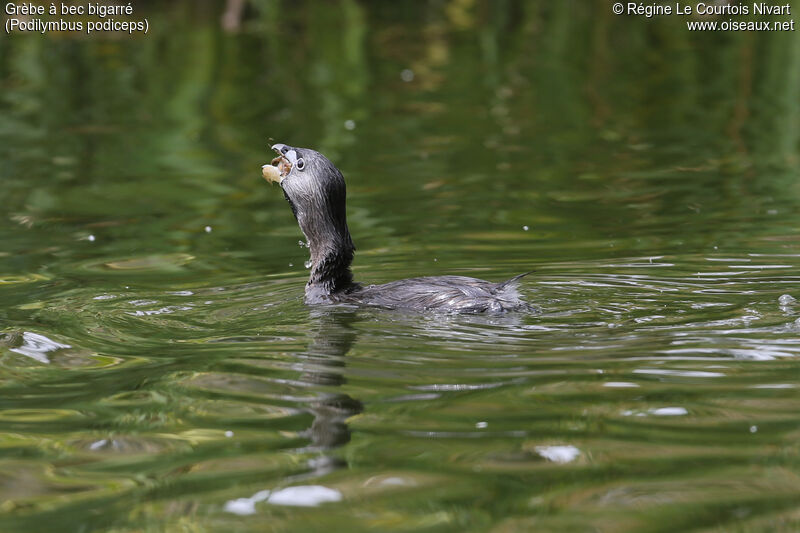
x,y
301,164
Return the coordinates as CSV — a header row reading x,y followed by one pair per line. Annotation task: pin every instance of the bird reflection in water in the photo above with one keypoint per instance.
x,y
323,365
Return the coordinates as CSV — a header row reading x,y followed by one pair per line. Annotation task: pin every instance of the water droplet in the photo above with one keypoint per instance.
x,y
229,433
407,75
91,238
208,229
291,264
481,425
753,429
349,124
308,264
435,260
301,244
786,299
526,228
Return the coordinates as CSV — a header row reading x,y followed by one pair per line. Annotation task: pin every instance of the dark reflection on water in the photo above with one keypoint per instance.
x,y
158,370
323,365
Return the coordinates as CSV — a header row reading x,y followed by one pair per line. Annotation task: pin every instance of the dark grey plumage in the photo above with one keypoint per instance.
x,y
316,192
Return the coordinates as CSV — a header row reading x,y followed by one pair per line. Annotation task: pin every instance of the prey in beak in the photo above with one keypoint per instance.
x,y
277,170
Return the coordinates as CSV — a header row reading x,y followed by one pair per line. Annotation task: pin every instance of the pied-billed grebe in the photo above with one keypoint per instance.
x,y
316,193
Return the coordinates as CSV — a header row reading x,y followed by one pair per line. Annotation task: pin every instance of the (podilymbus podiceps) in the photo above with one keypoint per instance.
x,y
316,193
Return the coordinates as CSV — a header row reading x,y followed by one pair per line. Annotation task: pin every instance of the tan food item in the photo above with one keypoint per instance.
x,y
271,174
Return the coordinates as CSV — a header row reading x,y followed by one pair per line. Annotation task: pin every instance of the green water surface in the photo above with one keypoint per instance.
x,y
160,372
